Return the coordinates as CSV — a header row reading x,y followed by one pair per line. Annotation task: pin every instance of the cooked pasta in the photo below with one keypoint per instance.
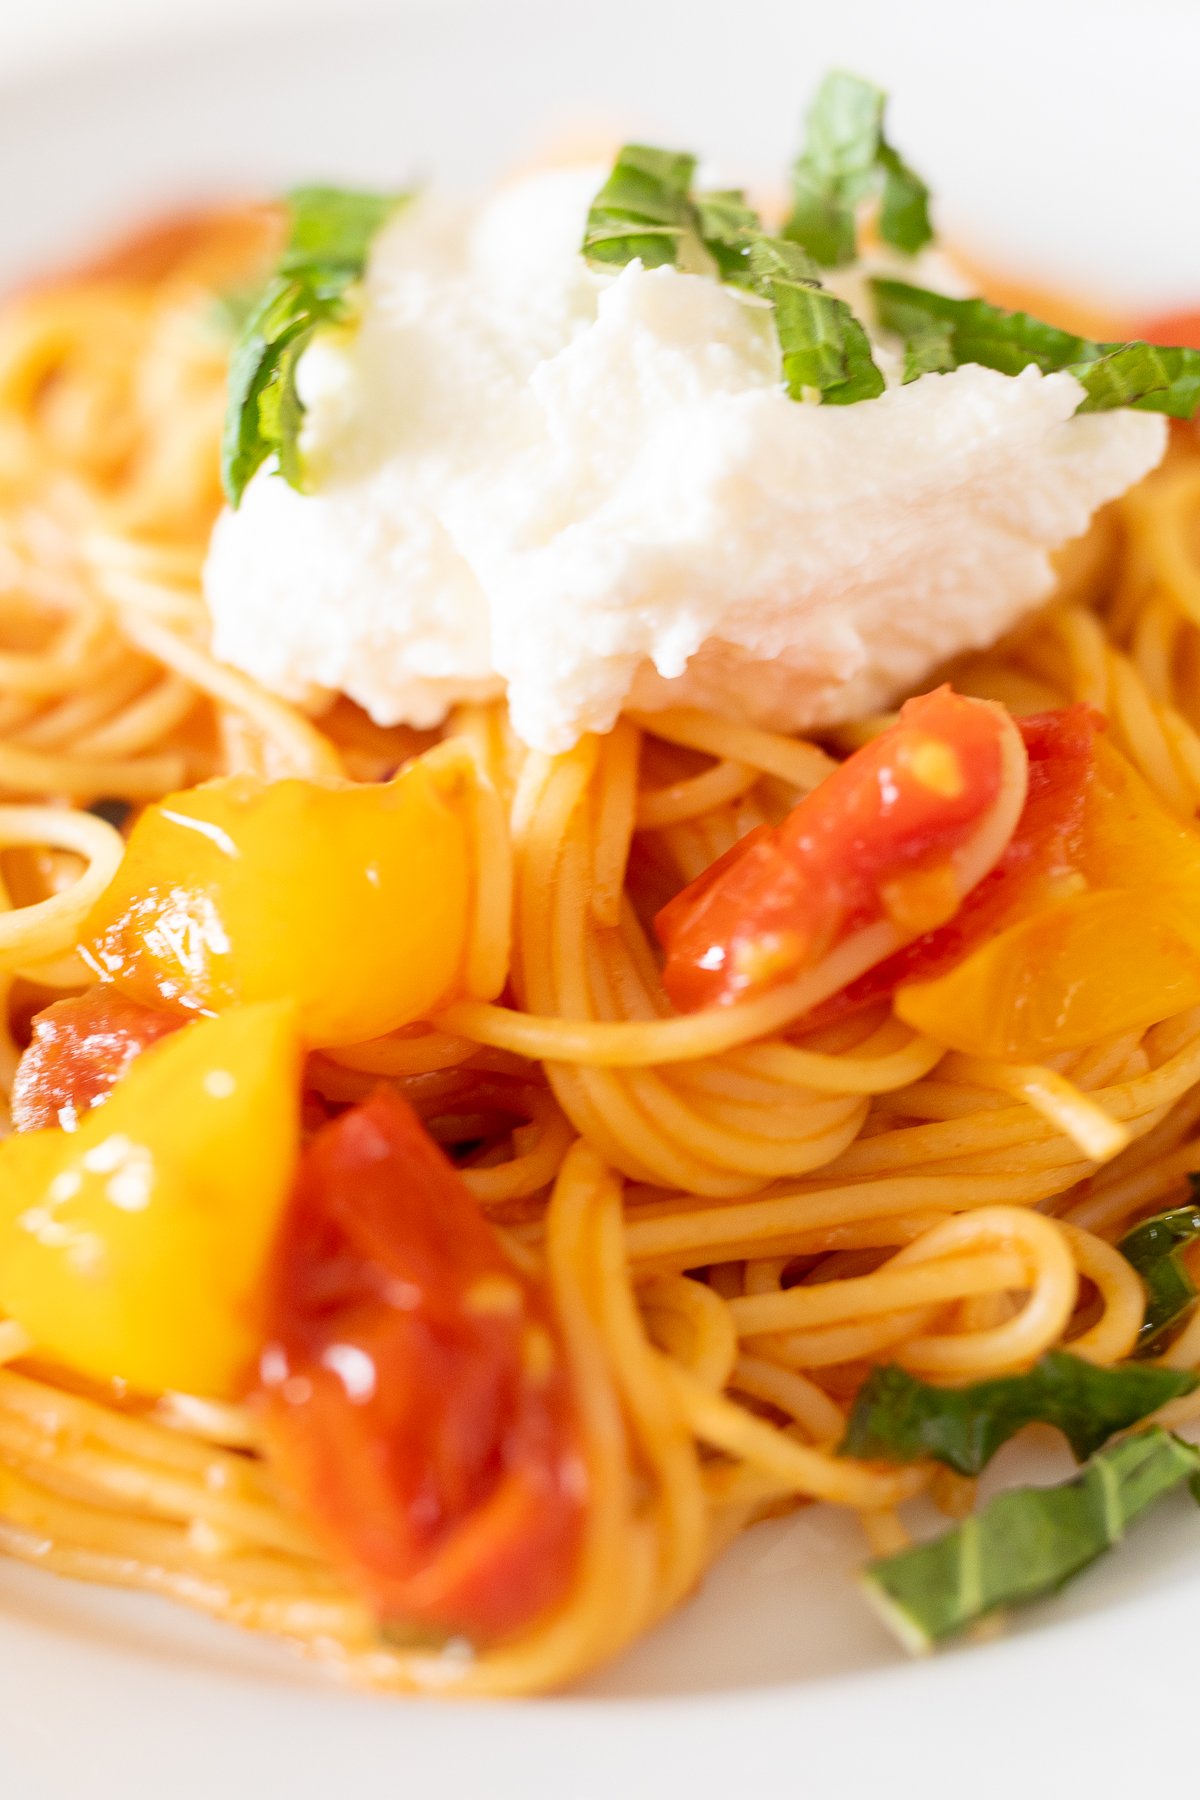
x,y
735,1213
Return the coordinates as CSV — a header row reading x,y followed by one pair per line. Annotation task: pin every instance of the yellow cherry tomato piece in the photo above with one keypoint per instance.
x,y
136,1247
1132,839
1097,964
351,900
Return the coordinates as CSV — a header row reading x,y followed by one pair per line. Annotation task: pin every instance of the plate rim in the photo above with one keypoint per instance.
x,y
981,1679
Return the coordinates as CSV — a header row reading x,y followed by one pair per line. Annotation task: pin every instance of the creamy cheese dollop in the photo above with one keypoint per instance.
x,y
589,490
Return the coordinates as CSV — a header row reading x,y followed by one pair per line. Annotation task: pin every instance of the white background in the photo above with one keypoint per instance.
x,y
33,33
1062,136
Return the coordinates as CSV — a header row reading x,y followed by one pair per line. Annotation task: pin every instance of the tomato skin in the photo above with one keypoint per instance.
x,y
351,899
1044,978
415,1393
1062,977
80,1049
673,918
136,1247
894,812
1131,839
1049,842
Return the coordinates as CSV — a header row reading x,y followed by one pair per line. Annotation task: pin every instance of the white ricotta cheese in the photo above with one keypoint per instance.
x,y
590,490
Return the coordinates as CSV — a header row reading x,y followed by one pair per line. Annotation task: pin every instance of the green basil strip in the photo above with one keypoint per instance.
x,y
330,233
1153,1248
1027,1543
940,331
825,349
644,210
333,229
899,1418
729,228
929,351
845,159
904,210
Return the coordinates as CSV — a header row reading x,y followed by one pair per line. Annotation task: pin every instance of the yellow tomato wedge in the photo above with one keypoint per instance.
x,y
1094,965
1119,956
352,900
1132,839
136,1246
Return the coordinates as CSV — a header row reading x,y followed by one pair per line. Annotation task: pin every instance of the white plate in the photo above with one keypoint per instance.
x,y
1060,136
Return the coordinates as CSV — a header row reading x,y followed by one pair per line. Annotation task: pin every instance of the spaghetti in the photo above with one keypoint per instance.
x,y
735,1214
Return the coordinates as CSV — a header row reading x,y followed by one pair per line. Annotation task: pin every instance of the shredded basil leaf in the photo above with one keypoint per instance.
x,y
729,228
1153,1248
902,1419
846,158
825,349
332,229
1027,1543
646,210
941,331
1147,377
330,234
929,351
904,209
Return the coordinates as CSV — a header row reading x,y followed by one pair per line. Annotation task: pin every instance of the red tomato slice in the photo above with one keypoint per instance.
x,y
896,834
416,1394
1048,844
79,1051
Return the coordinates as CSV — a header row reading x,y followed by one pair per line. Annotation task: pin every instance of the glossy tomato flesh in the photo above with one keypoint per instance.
x,y
876,835
415,1390
1048,844
79,1050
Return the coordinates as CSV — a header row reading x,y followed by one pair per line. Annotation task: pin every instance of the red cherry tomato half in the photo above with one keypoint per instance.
x,y
80,1049
415,1390
1048,844
883,838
